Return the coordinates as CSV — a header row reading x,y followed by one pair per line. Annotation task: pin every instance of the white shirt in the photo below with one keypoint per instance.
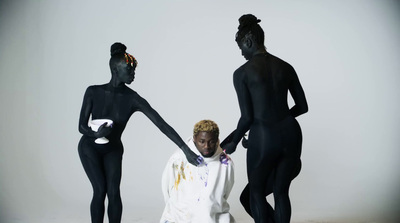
x,y
197,194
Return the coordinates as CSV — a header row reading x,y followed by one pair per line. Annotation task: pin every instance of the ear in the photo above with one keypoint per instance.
x,y
114,69
248,42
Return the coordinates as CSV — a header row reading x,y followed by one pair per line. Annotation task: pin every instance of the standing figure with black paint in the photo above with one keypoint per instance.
x,y
116,102
275,138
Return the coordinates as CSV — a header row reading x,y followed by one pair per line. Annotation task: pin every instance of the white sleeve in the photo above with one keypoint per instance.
x,y
230,179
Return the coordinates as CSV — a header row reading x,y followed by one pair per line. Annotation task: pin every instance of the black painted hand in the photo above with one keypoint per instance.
x,y
224,158
227,140
229,148
245,142
103,131
191,156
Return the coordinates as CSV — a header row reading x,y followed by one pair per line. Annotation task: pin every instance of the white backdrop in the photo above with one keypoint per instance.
x,y
346,54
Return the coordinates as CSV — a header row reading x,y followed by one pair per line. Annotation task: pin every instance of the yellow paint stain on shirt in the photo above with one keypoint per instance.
x,y
191,176
181,174
177,181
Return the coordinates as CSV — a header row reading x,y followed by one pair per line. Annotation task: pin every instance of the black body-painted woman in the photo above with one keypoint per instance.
x,y
103,162
275,139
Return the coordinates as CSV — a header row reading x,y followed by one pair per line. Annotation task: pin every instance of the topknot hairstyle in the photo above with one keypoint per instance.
x,y
117,48
206,126
248,24
118,54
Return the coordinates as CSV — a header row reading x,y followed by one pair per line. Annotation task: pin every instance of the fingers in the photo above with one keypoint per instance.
x,y
102,126
192,157
196,161
231,151
224,158
104,130
199,160
245,142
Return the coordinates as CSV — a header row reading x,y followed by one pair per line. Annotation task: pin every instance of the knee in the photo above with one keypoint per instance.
x,y
113,194
255,195
99,192
256,188
280,192
280,187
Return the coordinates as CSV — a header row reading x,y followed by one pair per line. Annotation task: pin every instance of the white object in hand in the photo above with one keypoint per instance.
x,y
95,124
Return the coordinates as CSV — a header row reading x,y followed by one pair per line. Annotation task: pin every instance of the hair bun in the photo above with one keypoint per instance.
x,y
247,20
117,48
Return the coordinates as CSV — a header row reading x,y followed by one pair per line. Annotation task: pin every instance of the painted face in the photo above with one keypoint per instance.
x,y
206,143
126,72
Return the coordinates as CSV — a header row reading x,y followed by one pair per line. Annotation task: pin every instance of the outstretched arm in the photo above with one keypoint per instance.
x,y
153,115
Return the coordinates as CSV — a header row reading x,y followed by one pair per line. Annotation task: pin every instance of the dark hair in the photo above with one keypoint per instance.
x,y
119,54
249,24
117,49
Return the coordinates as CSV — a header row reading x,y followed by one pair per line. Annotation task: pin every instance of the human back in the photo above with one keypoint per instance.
x,y
267,79
117,104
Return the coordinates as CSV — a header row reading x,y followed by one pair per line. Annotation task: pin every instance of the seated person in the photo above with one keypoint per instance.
x,y
198,194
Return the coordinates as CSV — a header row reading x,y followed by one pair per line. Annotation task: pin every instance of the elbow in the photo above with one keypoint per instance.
x,y
81,129
298,109
247,121
305,109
